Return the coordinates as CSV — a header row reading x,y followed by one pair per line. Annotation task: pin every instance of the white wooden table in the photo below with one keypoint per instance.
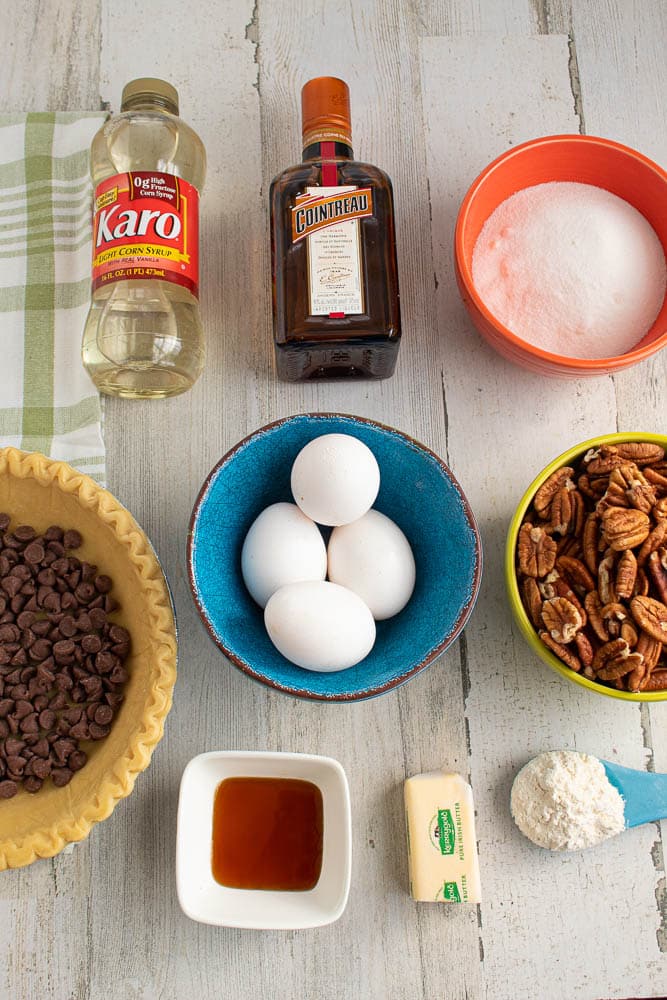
x,y
439,88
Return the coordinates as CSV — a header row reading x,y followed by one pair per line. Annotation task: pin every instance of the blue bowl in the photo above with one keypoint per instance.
x,y
417,491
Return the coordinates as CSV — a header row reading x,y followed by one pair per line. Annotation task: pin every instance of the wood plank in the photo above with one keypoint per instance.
x,y
514,702
51,56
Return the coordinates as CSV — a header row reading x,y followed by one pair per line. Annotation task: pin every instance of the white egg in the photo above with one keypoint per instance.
x,y
373,558
282,546
319,626
335,479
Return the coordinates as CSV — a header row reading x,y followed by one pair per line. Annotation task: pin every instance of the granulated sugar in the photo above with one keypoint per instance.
x,y
571,268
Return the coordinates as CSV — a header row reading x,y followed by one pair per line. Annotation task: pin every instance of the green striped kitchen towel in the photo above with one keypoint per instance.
x,y
47,401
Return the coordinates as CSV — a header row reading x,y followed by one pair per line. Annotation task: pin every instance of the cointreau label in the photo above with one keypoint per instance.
x,y
331,228
146,225
314,212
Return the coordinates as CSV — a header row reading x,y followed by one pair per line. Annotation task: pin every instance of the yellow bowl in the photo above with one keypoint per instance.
x,y
38,491
516,604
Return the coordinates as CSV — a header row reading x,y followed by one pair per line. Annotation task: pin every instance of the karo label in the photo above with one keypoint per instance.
x,y
311,214
146,225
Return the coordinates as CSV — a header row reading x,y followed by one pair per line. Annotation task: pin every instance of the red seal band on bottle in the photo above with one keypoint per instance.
x,y
145,226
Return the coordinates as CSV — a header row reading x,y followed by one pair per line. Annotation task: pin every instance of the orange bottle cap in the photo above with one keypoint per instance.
x,y
325,111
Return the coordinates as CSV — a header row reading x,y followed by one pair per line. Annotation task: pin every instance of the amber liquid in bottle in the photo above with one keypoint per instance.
x,y
336,307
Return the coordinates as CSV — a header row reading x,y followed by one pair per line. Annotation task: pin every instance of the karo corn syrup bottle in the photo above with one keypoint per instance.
x,y
143,336
335,280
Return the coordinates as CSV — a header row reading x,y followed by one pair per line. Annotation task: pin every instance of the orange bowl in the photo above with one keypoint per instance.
x,y
588,160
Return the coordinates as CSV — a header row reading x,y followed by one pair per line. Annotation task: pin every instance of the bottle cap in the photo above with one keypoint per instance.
x,y
325,111
147,87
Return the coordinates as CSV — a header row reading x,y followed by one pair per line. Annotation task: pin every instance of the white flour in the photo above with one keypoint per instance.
x,y
571,268
564,801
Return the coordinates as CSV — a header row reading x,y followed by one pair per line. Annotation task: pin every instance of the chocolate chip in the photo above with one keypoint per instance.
x,y
98,732
91,644
29,724
77,759
47,718
32,784
105,662
8,789
61,776
103,715
54,533
80,730
52,601
25,533
85,592
63,649
34,553
98,618
72,539
40,649
15,763
41,767
119,634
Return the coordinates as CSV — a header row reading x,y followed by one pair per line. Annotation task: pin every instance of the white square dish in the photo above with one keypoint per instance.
x,y
203,899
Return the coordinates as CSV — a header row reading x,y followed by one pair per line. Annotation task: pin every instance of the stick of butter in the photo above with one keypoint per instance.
x,y
442,849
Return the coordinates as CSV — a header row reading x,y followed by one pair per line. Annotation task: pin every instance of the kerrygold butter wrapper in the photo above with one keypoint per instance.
x,y
442,848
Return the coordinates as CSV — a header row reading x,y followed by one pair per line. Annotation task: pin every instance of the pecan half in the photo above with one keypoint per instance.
x,y
610,652
613,615
584,649
654,540
606,576
657,681
656,568
638,676
626,574
562,652
641,452
545,494
593,606
601,461
537,551
660,509
562,588
532,600
623,529
562,619
650,649
592,487
576,573
641,586
620,666
629,633
651,616
590,540
628,487
658,480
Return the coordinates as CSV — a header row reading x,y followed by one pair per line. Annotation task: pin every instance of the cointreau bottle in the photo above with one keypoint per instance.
x,y
335,283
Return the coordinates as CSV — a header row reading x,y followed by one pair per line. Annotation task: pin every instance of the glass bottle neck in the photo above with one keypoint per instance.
x,y
327,151
149,102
